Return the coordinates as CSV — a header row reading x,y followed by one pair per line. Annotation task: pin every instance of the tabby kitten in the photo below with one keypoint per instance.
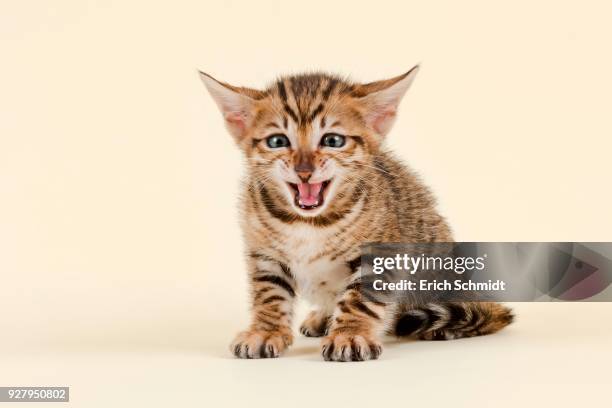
x,y
319,185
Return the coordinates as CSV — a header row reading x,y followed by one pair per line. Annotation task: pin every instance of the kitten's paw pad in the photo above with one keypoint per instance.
x,y
261,344
350,347
315,325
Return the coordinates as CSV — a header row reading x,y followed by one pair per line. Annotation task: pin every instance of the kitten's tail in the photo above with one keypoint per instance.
x,y
447,321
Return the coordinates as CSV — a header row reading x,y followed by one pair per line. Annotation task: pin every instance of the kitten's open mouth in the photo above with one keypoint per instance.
x,y
309,196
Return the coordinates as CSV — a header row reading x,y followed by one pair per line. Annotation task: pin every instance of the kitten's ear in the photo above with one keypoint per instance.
x,y
382,98
236,104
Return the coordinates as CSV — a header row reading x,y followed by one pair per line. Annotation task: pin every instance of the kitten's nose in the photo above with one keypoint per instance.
x,y
304,175
304,167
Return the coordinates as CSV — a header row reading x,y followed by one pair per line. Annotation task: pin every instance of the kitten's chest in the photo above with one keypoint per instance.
x,y
318,276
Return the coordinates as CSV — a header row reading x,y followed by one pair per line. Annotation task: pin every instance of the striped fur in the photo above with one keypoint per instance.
x,y
368,196
452,321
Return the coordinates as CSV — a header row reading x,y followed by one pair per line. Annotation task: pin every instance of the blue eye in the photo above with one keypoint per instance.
x,y
277,141
333,140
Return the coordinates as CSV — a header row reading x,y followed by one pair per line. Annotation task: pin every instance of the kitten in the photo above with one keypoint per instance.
x,y
319,185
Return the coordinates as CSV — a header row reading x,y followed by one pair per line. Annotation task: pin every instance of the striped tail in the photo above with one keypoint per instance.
x,y
447,321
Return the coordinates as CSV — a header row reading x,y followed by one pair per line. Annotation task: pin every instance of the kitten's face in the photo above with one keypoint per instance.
x,y
310,159
309,139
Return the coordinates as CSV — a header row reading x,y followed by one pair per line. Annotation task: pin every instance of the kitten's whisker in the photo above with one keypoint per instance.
x,y
373,167
365,186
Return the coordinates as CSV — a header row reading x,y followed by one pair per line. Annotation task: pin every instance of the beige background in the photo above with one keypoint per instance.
x,y
120,254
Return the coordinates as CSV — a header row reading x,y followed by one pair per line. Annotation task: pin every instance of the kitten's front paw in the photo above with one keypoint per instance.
x,y
315,324
261,344
350,347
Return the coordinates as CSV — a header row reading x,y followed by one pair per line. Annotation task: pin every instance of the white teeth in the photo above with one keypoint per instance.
x,y
310,205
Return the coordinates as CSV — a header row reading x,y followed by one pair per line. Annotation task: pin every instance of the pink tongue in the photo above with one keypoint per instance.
x,y
309,193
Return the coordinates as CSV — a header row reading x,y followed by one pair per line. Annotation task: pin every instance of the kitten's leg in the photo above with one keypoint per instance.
x,y
315,324
354,328
273,293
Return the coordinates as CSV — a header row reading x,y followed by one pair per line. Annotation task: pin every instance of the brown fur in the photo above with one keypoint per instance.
x,y
372,198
